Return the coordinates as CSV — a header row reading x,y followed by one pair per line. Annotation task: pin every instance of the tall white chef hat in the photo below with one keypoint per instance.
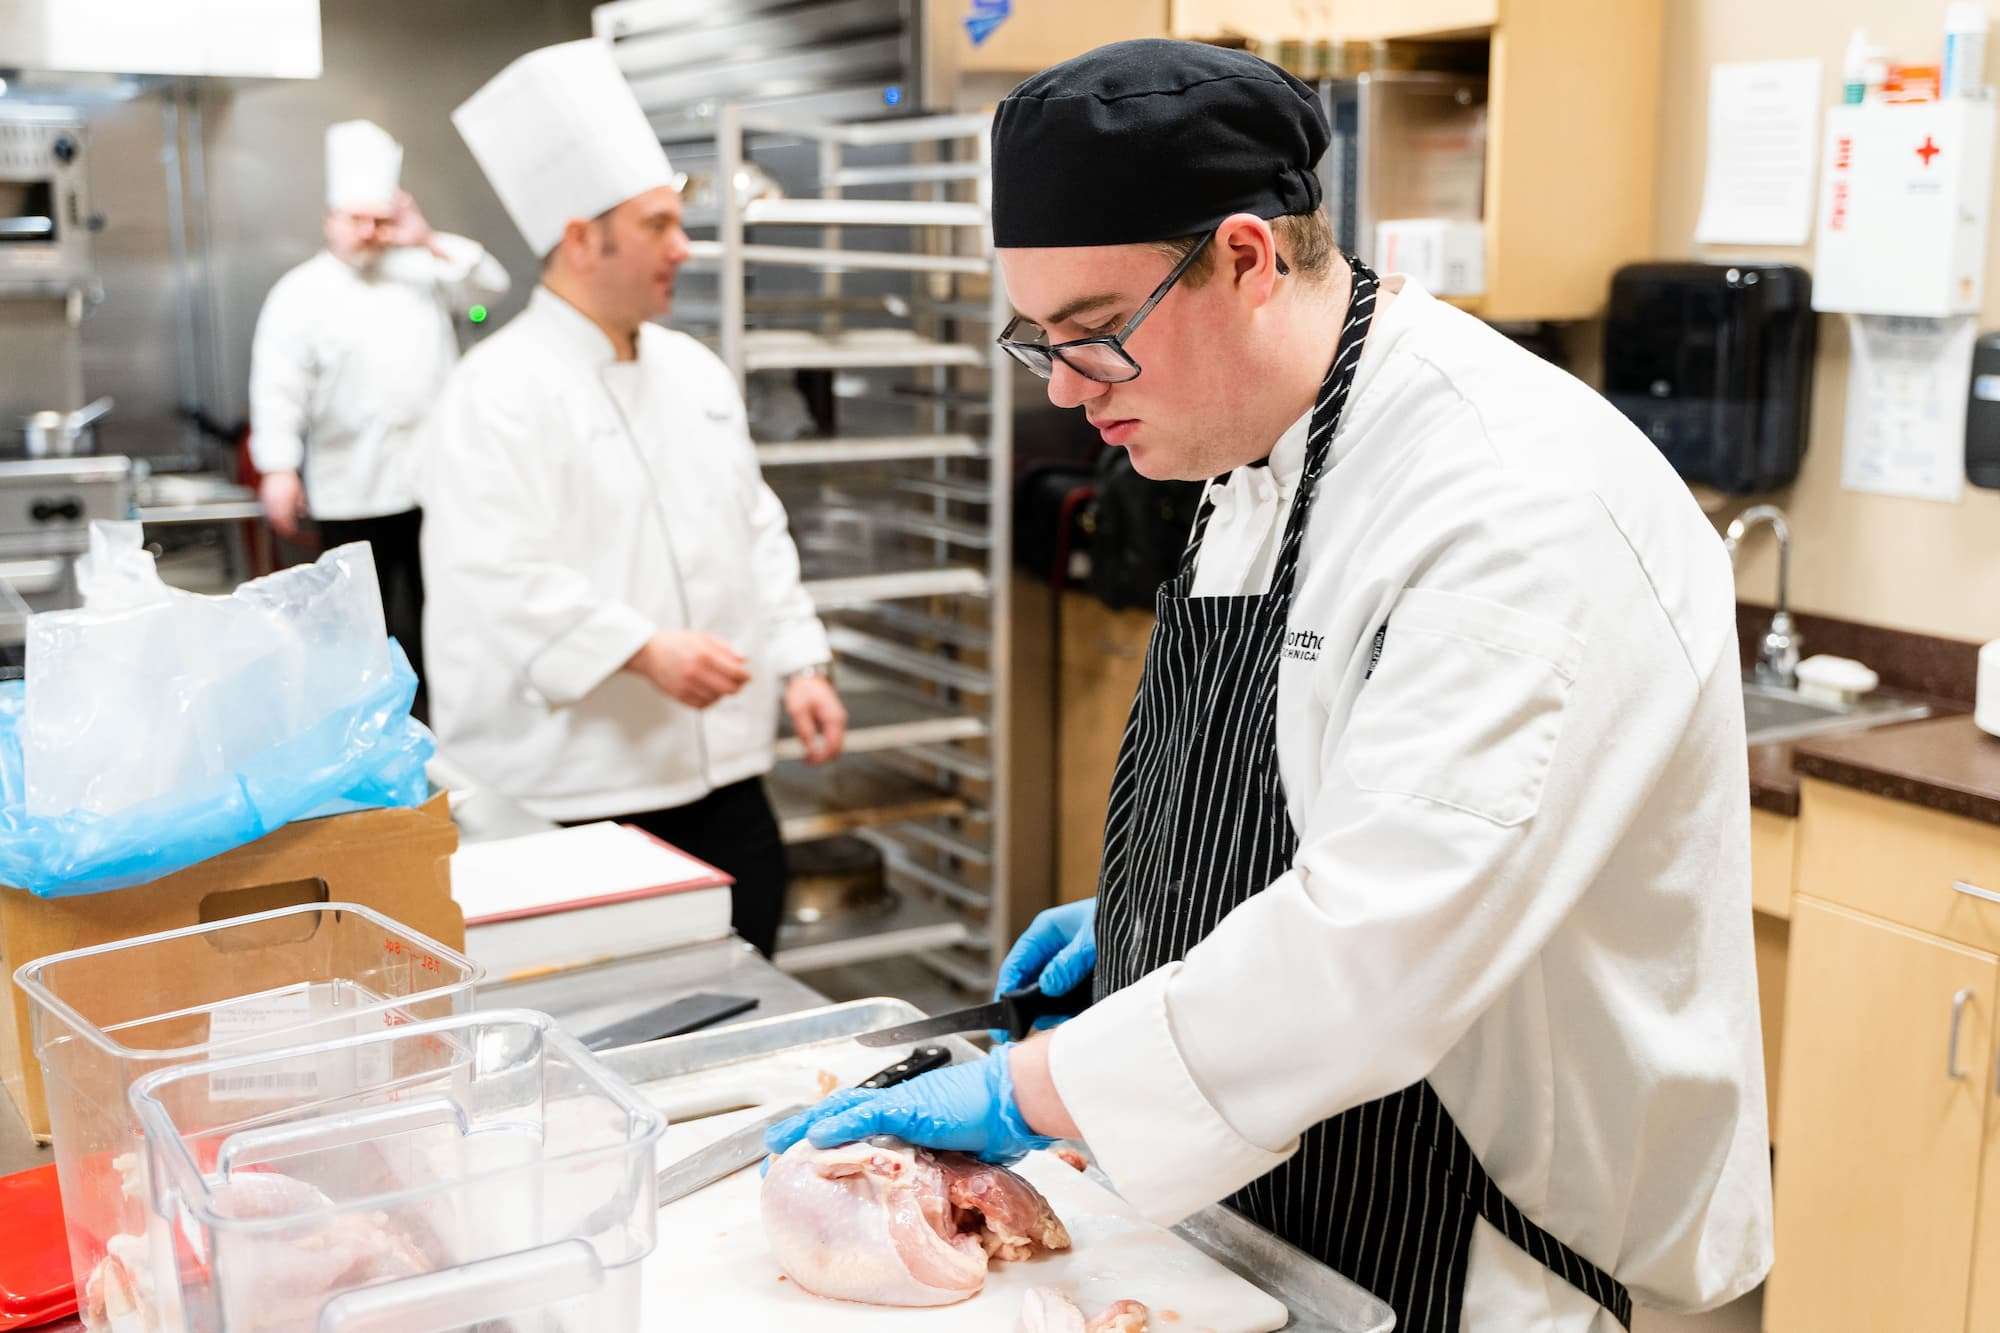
x,y
560,135
363,167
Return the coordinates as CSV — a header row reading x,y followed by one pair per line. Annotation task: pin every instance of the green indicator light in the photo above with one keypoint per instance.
x,y
477,314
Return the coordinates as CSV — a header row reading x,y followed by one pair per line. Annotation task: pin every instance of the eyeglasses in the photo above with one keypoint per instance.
x,y
1103,358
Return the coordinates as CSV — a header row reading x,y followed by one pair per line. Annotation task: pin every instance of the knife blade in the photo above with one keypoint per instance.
x,y
738,1149
725,1157
1017,1012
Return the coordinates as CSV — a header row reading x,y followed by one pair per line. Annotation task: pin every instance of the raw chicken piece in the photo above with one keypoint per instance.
x,y
1047,1310
280,1280
1119,1317
118,1294
1008,1215
895,1225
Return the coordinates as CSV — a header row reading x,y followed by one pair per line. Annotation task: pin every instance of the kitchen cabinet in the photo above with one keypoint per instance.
x,y
1572,109
1773,852
1387,20
1888,1167
1883,1125
1986,1250
1773,944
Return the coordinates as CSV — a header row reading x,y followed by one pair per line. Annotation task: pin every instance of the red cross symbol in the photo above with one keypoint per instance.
x,y
1928,150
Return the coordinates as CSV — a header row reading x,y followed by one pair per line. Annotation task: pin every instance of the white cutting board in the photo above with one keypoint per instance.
x,y
712,1269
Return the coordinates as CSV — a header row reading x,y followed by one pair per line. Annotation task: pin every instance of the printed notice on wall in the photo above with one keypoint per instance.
x,y
1763,140
1906,391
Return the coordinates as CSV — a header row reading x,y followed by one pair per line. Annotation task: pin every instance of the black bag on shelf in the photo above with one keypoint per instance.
x,y
1139,529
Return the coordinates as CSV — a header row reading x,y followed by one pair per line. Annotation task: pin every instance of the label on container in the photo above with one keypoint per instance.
x,y
240,1025
1986,387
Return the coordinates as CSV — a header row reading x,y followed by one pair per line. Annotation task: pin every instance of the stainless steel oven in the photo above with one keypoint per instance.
x,y
46,509
44,204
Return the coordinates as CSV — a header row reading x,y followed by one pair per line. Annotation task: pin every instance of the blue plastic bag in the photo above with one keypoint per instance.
x,y
369,753
158,728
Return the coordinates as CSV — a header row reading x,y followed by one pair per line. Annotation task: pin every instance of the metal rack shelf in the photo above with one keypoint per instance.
x,y
921,173
878,720
860,213
890,656
919,624
882,517
832,594
860,349
883,449
913,556
841,797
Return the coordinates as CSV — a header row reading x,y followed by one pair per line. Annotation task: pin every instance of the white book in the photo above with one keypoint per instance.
x,y
574,896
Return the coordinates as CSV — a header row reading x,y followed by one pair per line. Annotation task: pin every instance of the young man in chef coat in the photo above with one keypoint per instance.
x,y
616,611
352,348
1423,929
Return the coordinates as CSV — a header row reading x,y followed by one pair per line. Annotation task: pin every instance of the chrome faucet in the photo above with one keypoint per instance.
x,y
1778,654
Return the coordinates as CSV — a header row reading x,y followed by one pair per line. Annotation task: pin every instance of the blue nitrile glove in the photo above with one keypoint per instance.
x,y
1056,950
967,1108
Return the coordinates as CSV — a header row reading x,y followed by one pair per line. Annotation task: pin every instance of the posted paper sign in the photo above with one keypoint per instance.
x,y
1763,139
1906,392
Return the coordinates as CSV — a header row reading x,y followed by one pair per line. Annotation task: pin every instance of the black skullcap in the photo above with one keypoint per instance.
x,y
1152,139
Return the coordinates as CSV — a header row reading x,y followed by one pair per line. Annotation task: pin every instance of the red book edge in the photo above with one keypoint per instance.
x,y
711,878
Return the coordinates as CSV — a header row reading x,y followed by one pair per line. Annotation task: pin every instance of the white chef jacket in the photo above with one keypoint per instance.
x,y
345,365
1523,868
575,504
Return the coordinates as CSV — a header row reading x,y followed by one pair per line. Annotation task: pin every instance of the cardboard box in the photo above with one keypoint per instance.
x,y
1029,35
395,861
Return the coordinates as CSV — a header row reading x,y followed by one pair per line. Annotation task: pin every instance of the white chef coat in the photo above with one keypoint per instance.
x,y
1523,868
345,365
574,505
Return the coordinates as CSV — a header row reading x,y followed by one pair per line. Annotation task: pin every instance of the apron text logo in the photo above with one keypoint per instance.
x,y
1303,646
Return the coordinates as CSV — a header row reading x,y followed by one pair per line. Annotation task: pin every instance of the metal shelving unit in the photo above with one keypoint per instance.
x,y
903,525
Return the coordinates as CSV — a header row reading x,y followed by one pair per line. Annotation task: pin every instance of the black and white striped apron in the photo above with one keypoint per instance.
x,y
1385,1193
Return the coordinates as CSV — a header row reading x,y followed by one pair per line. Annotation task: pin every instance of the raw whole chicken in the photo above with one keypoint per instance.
x,y
888,1224
1047,1310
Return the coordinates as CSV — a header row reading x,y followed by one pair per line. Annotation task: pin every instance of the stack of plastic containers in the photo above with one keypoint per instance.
x,y
497,1173
294,1120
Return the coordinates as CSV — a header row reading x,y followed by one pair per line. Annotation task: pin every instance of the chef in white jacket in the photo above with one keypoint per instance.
x,y
616,613
1423,929
351,349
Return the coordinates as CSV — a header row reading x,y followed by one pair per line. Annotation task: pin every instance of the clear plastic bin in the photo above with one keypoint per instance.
x,y
104,1017
494,1176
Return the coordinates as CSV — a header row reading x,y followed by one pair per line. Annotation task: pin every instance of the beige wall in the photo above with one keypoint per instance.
x,y
1908,564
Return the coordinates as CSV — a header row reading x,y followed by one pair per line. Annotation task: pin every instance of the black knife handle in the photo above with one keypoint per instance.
x,y
920,1061
1028,1004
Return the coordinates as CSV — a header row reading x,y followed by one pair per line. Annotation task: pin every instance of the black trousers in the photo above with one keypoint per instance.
x,y
400,573
733,828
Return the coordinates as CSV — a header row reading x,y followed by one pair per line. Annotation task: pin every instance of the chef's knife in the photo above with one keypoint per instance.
x,y
730,1154
1016,1012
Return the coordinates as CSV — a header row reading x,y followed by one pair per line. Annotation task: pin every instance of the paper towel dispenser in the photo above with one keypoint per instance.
x,y
1714,363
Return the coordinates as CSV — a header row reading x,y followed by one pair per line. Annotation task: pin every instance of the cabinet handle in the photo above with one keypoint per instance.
x,y
1958,1003
1974,891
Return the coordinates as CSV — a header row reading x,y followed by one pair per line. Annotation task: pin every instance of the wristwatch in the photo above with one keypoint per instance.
x,y
824,670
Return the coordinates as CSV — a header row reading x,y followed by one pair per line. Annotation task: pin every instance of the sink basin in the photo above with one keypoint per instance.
x,y
1771,713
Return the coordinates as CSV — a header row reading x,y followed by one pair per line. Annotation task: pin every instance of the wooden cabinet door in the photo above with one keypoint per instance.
x,y
1881,1125
1986,1251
